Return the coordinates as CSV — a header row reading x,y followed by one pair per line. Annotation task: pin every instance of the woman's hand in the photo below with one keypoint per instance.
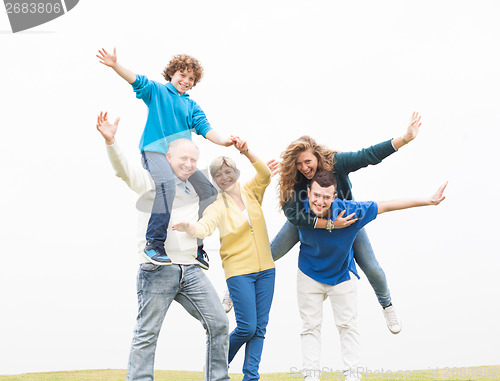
x,y
240,144
413,127
411,132
274,167
343,222
185,227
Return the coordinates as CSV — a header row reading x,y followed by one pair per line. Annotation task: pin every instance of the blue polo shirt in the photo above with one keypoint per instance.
x,y
171,116
327,257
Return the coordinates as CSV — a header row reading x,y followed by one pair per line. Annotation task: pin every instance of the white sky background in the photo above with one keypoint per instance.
x,y
348,73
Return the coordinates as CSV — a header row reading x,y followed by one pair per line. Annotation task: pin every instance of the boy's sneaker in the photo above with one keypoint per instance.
x,y
202,258
392,320
227,302
155,253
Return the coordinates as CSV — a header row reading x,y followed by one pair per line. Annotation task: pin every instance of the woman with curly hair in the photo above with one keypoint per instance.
x,y
300,161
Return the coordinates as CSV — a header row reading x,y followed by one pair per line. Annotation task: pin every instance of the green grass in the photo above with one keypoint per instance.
x,y
490,373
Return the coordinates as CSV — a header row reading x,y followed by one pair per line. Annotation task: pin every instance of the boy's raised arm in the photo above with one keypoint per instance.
x,y
435,199
111,60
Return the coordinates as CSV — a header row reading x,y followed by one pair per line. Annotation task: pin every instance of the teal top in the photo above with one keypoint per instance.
x,y
171,115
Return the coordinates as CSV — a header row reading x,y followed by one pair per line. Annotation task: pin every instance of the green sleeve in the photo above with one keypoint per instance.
x,y
347,162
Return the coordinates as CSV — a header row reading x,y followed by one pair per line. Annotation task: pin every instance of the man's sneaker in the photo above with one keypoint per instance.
x,y
202,258
311,378
155,253
227,303
392,320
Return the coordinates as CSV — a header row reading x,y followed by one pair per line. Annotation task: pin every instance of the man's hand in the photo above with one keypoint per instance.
x,y
343,222
437,197
107,129
106,58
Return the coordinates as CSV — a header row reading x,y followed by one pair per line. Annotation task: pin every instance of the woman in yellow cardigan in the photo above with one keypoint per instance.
x,y
245,252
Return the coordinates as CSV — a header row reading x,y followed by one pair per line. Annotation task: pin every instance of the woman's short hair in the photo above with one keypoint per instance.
x,y
218,162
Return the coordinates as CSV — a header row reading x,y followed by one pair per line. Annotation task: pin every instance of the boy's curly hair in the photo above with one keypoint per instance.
x,y
183,62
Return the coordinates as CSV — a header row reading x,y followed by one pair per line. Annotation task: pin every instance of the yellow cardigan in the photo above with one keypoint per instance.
x,y
244,249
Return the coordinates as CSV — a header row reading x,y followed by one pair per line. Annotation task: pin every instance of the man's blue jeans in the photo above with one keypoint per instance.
x,y
252,296
288,236
157,287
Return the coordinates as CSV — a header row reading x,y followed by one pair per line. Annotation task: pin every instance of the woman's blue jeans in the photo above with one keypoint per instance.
x,y
288,236
252,296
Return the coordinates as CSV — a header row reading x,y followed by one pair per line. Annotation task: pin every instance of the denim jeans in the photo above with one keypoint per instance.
x,y
288,236
252,296
157,287
164,178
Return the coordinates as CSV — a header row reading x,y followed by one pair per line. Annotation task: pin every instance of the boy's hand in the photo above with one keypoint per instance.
x,y
106,58
274,167
438,196
240,144
107,129
227,142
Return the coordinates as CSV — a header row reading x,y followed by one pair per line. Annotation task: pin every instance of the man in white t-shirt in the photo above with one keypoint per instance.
x,y
183,281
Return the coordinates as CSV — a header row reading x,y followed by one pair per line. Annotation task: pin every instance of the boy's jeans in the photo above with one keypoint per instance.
x,y
288,236
343,298
164,178
157,287
252,296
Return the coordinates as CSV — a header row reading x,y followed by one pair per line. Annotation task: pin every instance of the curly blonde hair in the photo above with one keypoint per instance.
x,y
290,176
183,62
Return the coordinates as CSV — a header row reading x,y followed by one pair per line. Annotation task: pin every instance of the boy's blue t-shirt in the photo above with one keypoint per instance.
x,y
327,257
170,116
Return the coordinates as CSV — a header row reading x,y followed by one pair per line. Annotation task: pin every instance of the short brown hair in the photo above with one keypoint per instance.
x,y
183,62
324,179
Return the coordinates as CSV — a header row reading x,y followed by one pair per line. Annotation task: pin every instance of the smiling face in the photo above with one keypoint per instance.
x,y
225,177
307,164
320,198
183,80
183,157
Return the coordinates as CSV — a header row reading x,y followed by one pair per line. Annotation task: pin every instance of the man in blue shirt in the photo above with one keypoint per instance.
x,y
326,269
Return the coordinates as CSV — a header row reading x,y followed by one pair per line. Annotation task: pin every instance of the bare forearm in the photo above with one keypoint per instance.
x,y
399,142
127,74
389,206
251,156
214,137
